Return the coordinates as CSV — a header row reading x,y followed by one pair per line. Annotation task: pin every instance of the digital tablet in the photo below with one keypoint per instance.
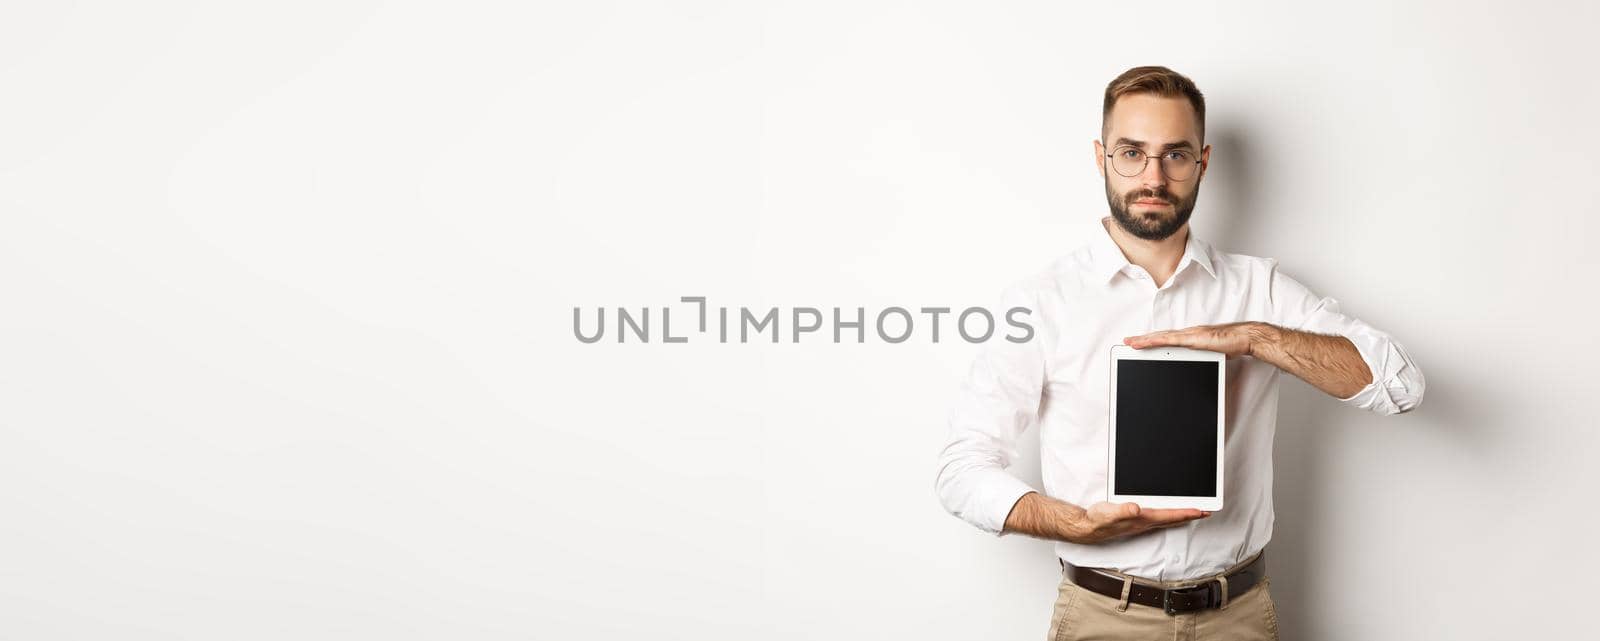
x,y
1167,429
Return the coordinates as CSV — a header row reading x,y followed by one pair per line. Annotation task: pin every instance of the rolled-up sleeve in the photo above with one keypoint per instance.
x,y
995,405
1397,383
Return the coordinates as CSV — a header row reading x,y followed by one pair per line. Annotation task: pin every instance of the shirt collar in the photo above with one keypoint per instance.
x,y
1108,258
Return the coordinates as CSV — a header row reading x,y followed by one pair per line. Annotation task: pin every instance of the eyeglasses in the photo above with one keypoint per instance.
x,y
1176,164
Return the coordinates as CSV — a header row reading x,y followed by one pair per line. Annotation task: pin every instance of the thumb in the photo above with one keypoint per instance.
x,y
1129,510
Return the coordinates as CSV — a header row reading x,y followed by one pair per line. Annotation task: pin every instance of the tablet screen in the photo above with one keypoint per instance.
x,y
1166,428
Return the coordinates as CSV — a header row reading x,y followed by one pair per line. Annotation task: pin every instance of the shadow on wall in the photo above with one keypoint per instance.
x,y
1292,561
1231,182
1303,480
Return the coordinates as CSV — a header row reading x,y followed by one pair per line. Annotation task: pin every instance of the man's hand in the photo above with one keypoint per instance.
x,y
1329,363
1044,517
1104,521
1233,339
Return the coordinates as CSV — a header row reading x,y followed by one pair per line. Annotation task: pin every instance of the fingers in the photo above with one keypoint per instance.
x,y
1132,511
1171,516
1174,338
1158,519
1141,342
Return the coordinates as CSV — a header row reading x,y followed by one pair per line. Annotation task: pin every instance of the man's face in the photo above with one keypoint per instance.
x,y
1151,205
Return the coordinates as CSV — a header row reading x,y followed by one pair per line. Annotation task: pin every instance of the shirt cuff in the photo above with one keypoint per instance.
x,y
1388,392
997,495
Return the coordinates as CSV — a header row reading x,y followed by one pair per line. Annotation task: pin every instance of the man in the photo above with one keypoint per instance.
x,y
1129,572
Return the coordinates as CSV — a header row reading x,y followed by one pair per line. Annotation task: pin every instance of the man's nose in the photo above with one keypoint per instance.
x,y
1153,176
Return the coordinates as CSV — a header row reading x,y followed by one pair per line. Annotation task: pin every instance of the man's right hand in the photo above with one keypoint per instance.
x,y
1104,521
1044,517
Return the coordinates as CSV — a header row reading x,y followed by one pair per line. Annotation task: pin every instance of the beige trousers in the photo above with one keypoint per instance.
x,y
1080,614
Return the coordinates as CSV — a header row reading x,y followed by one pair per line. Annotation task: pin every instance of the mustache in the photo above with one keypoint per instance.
x,y
1148,194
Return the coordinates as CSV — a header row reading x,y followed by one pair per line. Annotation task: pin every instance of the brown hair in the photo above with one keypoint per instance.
x,y
1160,81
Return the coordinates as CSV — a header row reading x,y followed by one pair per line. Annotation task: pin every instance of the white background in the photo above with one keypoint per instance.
x,y
286,345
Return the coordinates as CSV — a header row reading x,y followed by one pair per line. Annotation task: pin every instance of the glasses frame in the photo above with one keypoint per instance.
x,y
1146,164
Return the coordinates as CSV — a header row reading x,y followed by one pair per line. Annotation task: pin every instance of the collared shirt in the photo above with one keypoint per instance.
x,y
1083,304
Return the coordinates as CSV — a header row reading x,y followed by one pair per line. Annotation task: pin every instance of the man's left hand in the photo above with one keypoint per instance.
x,y
1233,339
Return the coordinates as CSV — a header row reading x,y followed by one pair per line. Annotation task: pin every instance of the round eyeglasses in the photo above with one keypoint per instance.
x,y
1177,164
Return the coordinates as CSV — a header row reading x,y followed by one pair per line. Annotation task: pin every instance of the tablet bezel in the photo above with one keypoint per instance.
x,y
1124,352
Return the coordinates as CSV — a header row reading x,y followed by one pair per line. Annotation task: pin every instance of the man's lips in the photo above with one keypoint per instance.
x,y
1151,202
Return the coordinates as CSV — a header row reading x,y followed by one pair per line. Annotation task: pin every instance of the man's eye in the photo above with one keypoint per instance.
x,y
1177,155
1131,153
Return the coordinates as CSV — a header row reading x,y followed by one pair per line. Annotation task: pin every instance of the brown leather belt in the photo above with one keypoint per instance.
x,y
1171,600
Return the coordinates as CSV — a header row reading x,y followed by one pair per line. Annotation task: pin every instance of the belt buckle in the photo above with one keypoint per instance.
x,y
1166,596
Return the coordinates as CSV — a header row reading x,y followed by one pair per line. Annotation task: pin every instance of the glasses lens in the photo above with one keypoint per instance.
x,y
1127,161
1178,165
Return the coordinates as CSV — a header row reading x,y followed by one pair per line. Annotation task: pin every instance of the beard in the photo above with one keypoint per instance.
x,y
1153,224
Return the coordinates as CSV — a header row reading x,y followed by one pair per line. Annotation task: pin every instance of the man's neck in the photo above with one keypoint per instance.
x,y
1158,257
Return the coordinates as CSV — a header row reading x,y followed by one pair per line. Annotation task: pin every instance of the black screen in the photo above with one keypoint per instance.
x,y
1166,428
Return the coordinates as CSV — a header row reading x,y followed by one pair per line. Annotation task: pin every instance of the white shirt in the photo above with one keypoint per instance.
x,y
1089,300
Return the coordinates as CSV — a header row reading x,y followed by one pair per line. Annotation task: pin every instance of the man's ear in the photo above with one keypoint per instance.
x,y
1100,157
1205,160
